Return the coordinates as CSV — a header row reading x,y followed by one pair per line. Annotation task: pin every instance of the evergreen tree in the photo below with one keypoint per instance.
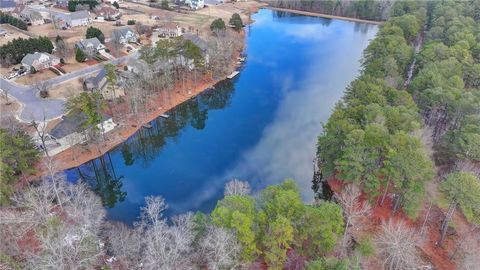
x,y
80,55
236,21
95,32
217,25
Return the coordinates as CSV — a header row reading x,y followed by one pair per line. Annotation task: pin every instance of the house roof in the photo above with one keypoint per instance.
x,y
97,79
84,43
7,4
35,15
31,57
70,124
105,10
169,25
120,32
78,15
202,44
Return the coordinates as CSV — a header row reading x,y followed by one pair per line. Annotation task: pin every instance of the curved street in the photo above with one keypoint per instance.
x,y
35,108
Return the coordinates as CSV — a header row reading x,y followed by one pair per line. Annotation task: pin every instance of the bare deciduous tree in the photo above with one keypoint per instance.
x,y
67,237
353,209
220,248
397,244
237,187
42,88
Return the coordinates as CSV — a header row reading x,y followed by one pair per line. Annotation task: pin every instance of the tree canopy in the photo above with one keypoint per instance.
x,y
463,189
217,24
236,21
278,220
18,156
95,32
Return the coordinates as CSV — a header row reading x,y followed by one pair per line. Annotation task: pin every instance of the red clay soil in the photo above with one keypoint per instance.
x,y
437,256
91,62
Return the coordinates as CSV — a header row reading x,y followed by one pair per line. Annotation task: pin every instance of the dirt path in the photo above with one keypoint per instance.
x,y
308,13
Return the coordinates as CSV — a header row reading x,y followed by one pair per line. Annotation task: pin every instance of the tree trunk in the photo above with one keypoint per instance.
x,y
396,206
384,194
444,226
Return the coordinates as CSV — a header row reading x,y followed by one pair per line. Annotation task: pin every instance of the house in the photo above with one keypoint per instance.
x,y
80,18
77,18
124,35
7,5
90,46
99,83
39,61
69,131
32,17
108,13
195,4
168,30
96,82
137,66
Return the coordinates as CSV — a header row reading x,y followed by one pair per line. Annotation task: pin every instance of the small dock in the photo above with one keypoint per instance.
x,y
231,76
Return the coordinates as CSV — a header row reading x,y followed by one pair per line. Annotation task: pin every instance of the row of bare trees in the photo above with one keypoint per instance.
x,y
57,225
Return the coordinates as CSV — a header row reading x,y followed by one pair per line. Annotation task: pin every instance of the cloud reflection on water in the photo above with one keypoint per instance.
x,y
286,148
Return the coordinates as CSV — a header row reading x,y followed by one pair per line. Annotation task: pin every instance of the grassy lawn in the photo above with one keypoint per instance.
x,y
33,78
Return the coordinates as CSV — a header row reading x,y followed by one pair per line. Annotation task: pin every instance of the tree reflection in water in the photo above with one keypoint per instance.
x,y
100,175
147,144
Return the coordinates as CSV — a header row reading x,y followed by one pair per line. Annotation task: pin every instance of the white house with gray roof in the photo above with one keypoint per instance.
x,y
124,35
39,61
31,16
77,18
90,46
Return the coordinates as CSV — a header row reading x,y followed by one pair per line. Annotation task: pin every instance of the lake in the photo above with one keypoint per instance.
x,y
260,127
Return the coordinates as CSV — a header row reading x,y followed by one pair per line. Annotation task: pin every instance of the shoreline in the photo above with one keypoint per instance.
x,y
315,14
78,155
125,130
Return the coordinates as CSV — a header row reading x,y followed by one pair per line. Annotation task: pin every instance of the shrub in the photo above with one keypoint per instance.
x,y
131,22
217,24
95,32
44,93
365,247
80,55
236,21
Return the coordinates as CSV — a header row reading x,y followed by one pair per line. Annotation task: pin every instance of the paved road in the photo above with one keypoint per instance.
x,y
34,107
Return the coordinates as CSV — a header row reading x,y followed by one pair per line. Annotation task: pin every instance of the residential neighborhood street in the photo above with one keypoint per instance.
x,y
38,109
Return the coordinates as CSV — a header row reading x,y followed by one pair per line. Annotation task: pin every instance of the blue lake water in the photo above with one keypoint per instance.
x,y
260,127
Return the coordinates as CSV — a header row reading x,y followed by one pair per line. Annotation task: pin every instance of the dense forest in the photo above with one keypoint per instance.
x,y
362,9
394,138
13,52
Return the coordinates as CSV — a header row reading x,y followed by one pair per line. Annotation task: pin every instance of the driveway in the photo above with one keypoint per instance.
x,y
34,107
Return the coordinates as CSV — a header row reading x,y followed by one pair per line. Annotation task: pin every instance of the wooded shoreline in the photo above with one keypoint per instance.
x,y
308,13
